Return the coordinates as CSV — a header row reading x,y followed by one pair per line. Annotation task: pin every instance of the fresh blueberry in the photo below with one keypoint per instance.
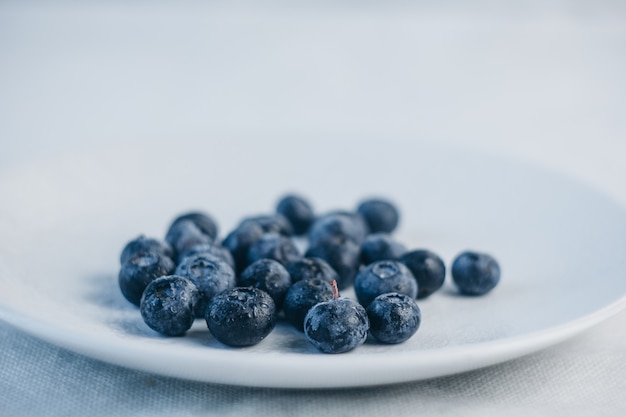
x,y
209,274
380,215
267,275
297,211
302,296
382,277
272,223
393,317
475,273
338,224
145,244
141,270
336,326
342,254
238,242
380,247
184,234
203,221
274,246
209,248
311,268
427,268
167,305
242,316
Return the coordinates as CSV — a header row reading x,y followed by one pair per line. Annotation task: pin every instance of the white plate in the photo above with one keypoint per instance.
x,y
64,221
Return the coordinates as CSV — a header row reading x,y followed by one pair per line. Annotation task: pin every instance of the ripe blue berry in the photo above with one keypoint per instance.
x,y
311,268
209,274
209,249
183,234
242,316
238,242
167,305
297,211
383,277
427,268
302,296
274,246
380,215
141,270
380,247
203,221
145,244
393,317
475,273
269,276
338,224
342,254
272,223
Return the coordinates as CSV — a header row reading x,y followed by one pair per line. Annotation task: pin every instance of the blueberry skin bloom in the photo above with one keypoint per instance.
x,y
380,215
475,273
342,254
380,247
393,317
311,268
209,249
428,269
271,223
242,316
336,326
209,274
274,246
205,223
302,296
167,305
269,276
338,224
141,270
184,234
145,244
297,211
238,242
383,277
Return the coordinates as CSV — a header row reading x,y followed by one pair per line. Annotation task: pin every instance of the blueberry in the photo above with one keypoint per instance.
x,y
267,275
203,221
238,242
311,268
427,268
382,277
297,211
336,326
338,225
241,316
167,305
302,296
183,234
380,247
145,244
141,270
342,254
380,215
475,273
272,223
393,317
274,246
209,274
209,248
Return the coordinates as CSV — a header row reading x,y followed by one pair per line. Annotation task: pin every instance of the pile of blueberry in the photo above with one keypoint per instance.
x,y
257,274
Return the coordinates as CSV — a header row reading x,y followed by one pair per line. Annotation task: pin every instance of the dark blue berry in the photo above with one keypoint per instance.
x,y
383,277
394,317
209,274
211,249
337,224
203,221
238,242
141,270
341,254
145,244
475,273
267,275
184,234
297,211
167,305
380,247
274,246
311,268
336,326
427,268
380,215
272,223
241,316
302,296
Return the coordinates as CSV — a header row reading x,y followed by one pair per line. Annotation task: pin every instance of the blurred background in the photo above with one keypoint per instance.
x,y
540,79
